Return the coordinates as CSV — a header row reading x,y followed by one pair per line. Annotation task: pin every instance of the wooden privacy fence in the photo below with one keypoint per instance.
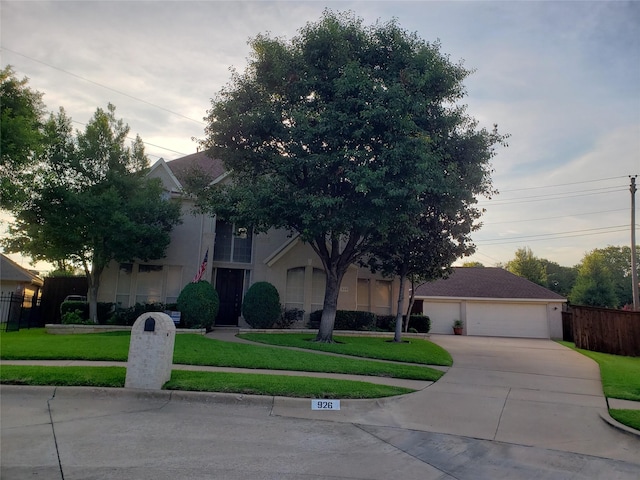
x,y
603,330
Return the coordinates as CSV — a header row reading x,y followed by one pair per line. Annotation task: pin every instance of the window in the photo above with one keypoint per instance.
x,y
295,289
382,297
174,284
363,295
123,290
232,244
149,284
319,284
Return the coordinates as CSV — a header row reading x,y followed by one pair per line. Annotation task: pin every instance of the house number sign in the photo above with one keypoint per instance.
x,y
318,404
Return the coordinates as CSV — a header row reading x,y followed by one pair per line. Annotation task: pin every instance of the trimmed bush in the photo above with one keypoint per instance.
x,y
261,306
198,304
289,317
386,323
421,323
346,320
128,316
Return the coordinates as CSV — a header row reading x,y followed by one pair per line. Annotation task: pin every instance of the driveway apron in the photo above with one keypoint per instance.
x,y
520,391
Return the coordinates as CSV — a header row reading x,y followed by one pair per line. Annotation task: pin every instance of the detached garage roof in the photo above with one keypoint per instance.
x,y
485,282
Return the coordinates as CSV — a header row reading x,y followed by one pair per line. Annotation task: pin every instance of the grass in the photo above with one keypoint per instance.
x,y
63,376
36,344
411,351
279,385
620,375
630,418
620,379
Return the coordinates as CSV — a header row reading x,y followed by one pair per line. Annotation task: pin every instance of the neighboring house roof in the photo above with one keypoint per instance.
x,y
181,167
485,282
12,272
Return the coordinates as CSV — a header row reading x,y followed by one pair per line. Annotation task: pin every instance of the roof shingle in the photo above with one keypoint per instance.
x,y
181,167
485,282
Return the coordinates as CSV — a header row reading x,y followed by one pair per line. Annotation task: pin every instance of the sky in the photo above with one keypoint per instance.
x,y
562,78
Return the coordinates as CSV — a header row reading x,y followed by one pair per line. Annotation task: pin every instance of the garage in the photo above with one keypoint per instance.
x,y
492,302
494,319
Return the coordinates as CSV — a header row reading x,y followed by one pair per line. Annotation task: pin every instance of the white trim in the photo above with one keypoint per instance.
x,y
163,164
280,252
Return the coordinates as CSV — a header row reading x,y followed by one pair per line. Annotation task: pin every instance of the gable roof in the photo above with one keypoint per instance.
x,y
181,167
485,282
12,272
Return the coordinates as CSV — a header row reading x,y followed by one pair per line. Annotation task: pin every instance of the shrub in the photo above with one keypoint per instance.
x,y
128,316
386,323
105,310
198,304
289,317
346,320
71,306
74,318
421,323
261,306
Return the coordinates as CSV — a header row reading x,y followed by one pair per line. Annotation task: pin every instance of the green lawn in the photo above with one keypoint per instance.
x,y
630,418
620,379
620,375
411,350
244,383
36,344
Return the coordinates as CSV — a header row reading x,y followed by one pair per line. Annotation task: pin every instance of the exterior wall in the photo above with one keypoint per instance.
x,y
274,254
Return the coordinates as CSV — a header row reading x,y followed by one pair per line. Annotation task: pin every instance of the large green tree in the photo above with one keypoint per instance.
x,y
332,133
21,119
527,265
618,261
593,285
91,201
560,279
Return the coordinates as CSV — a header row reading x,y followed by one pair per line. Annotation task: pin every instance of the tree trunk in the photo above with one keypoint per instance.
x,y
330,306
398,334
412,299
93,280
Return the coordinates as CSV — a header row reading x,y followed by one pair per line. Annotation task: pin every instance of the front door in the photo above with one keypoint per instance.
x,y
229,283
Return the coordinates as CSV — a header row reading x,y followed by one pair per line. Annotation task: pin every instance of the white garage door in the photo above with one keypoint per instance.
x,y
442,315
507,320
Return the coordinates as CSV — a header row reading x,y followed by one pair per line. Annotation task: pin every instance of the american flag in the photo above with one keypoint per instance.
x,y
203,267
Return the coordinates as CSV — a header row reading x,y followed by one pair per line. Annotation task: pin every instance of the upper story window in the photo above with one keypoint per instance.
x,y
233,244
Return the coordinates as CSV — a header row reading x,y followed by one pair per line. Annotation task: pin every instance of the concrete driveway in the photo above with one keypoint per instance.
x,y
508,408
519,391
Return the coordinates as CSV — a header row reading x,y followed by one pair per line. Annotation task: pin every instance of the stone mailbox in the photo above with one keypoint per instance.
x,y
153,336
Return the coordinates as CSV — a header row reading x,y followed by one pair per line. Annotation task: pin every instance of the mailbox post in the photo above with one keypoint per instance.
x,y
150,360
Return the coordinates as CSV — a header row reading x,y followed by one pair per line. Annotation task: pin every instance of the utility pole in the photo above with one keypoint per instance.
x,y
634,260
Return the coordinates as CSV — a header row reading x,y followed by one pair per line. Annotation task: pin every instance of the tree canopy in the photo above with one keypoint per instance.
x,y
335,134
91,202
21,119
527,265
593,285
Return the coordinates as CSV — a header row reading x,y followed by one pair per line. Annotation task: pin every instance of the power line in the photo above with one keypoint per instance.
x,y
104,86
554,236
146,143
549,197
556,218
563,184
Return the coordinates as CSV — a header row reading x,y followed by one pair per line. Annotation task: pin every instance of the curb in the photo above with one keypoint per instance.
x,y
619,426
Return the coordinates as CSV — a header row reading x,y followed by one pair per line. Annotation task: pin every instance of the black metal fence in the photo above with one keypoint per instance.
x,y
19,311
